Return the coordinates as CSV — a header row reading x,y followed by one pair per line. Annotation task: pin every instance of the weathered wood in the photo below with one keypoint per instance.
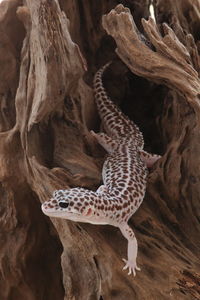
x,y
48,51
170,63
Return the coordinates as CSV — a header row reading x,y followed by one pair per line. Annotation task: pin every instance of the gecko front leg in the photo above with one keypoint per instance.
x,y
130,264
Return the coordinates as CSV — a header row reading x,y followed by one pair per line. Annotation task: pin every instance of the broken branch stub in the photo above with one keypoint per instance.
x,y
170,63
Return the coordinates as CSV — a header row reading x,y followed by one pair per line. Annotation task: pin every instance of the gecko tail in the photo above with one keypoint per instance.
x,y
116,124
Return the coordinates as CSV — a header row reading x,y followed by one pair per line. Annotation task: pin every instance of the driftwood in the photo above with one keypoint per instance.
x,y
49,51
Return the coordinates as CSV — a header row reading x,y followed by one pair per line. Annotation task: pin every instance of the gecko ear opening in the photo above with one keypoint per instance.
x,y
88,212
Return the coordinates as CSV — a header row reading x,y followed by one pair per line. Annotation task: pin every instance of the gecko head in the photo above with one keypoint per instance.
x,y
67,204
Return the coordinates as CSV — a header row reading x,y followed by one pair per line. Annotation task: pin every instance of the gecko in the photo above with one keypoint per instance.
x,y
124,175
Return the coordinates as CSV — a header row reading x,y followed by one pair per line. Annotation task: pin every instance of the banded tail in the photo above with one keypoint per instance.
x,y
116,124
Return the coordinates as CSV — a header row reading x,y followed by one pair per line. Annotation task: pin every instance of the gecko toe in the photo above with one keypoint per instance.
x,y
131,266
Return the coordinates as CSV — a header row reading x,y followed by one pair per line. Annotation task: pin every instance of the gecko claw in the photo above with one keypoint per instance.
x,y
131,266
92,133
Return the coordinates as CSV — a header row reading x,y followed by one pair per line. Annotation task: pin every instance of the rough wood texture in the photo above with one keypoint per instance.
x,y
168,63
46,112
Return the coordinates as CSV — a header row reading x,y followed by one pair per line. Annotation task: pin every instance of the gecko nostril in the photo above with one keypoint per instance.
x,y
63,204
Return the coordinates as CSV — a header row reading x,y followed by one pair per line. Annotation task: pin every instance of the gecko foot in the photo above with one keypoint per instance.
x,y
131,266
102,189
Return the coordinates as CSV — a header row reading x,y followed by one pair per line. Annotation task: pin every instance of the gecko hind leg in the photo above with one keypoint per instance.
x,y
105,141
148,158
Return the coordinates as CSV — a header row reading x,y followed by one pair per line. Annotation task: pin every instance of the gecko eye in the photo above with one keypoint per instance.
x,y
63,204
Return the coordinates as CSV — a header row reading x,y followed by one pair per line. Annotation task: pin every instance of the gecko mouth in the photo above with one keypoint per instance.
x,y
52,211
47,210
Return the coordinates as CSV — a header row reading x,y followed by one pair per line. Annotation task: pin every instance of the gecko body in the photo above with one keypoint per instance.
x,y
124,177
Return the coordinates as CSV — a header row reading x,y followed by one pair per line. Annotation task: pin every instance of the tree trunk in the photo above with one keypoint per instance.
x,y
49,52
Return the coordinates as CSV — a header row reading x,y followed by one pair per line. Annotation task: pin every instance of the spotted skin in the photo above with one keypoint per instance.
x,y
116,124
124,177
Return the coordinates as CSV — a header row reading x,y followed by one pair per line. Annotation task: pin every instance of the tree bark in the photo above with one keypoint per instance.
x,y
49,52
